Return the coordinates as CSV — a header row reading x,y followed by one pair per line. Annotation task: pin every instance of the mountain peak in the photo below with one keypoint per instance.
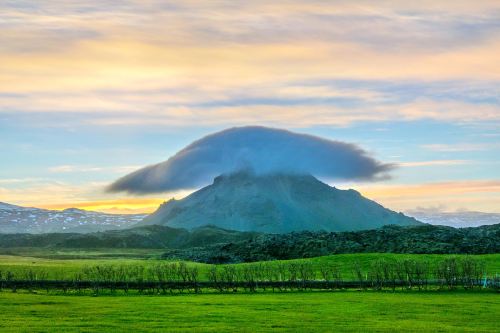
x,y
276,203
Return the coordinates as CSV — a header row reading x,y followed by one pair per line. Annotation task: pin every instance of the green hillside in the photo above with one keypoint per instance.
x,y
67,268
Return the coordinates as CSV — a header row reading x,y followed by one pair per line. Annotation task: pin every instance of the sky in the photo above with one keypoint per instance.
x,y
91,91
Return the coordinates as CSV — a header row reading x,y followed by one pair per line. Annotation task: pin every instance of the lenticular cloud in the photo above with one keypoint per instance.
x,y
259,149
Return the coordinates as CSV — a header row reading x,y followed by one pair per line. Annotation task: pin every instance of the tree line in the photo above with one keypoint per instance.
x,y
177,277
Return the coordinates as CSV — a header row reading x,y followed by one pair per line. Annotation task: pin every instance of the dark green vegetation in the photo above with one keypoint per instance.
x,y
264,312
389,239
214,245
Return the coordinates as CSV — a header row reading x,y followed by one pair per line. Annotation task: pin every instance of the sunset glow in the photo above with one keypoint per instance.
x,y
90,92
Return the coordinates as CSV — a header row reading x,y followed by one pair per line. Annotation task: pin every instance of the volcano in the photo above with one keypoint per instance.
x,y
275,203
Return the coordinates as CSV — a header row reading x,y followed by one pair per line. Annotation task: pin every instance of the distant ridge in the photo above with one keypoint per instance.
x,y
275,203
17,219
456,219
6,206
152,237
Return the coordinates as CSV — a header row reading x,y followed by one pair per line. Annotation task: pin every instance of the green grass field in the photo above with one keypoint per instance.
x,y
73,262
263,312
309,311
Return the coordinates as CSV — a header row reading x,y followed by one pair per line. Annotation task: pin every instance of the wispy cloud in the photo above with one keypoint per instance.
x,y
433,163
87,168
116,59
28,180
461,147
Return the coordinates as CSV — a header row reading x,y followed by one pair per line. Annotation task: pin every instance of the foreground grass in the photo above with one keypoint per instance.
x,y
303,312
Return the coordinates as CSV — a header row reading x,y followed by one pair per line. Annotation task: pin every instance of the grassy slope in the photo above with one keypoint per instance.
x,y
304,312
492,261
60,268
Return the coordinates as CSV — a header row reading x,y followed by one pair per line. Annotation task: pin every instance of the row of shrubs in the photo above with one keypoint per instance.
x,y
448,273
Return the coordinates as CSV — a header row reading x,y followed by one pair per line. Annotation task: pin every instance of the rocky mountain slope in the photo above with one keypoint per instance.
x,y
275,203
17,219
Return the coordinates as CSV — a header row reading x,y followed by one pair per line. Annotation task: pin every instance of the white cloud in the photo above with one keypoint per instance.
x,y
86,168
433,163
461,147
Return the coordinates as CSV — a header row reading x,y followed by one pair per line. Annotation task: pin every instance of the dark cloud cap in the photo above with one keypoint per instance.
x,y
260,149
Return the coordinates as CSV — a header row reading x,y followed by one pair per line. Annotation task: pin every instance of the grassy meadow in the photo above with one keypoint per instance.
x,y
264,312
65,264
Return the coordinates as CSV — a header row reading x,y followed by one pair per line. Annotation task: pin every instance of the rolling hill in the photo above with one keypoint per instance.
x,y
148,237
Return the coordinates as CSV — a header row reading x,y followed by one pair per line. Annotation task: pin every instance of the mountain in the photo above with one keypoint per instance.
x,y
150,237
17,219
456,219
275,203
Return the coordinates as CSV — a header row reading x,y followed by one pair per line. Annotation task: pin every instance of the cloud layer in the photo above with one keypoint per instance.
x,y
124,62
260,149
